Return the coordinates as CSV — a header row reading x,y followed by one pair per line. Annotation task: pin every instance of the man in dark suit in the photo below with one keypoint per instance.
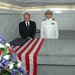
x,y
27,28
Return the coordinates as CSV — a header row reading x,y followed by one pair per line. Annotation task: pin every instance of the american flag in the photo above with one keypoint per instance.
x,y
27,50
18,42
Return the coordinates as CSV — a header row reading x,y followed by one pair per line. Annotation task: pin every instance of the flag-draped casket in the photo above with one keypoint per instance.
x,y
45,56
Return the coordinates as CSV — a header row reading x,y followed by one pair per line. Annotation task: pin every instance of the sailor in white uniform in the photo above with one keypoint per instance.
x,y
49,27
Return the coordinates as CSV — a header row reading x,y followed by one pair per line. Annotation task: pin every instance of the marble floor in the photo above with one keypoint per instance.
x,y
60,61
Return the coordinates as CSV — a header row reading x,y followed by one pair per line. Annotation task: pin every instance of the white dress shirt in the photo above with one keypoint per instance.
x,y
27,22
49,29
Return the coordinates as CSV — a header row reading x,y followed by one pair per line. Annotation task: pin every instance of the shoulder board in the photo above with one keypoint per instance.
x,y
54,19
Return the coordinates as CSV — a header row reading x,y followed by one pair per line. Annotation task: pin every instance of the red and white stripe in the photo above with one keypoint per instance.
x,y
28,54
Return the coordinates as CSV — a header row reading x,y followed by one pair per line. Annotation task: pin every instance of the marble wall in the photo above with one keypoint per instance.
x,y
66,19
9,22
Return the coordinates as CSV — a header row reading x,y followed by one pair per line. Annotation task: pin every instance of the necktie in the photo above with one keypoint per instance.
x,y
27,26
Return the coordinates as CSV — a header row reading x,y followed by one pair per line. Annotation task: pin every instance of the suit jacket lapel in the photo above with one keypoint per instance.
x,y
25,26
30,25
24,23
